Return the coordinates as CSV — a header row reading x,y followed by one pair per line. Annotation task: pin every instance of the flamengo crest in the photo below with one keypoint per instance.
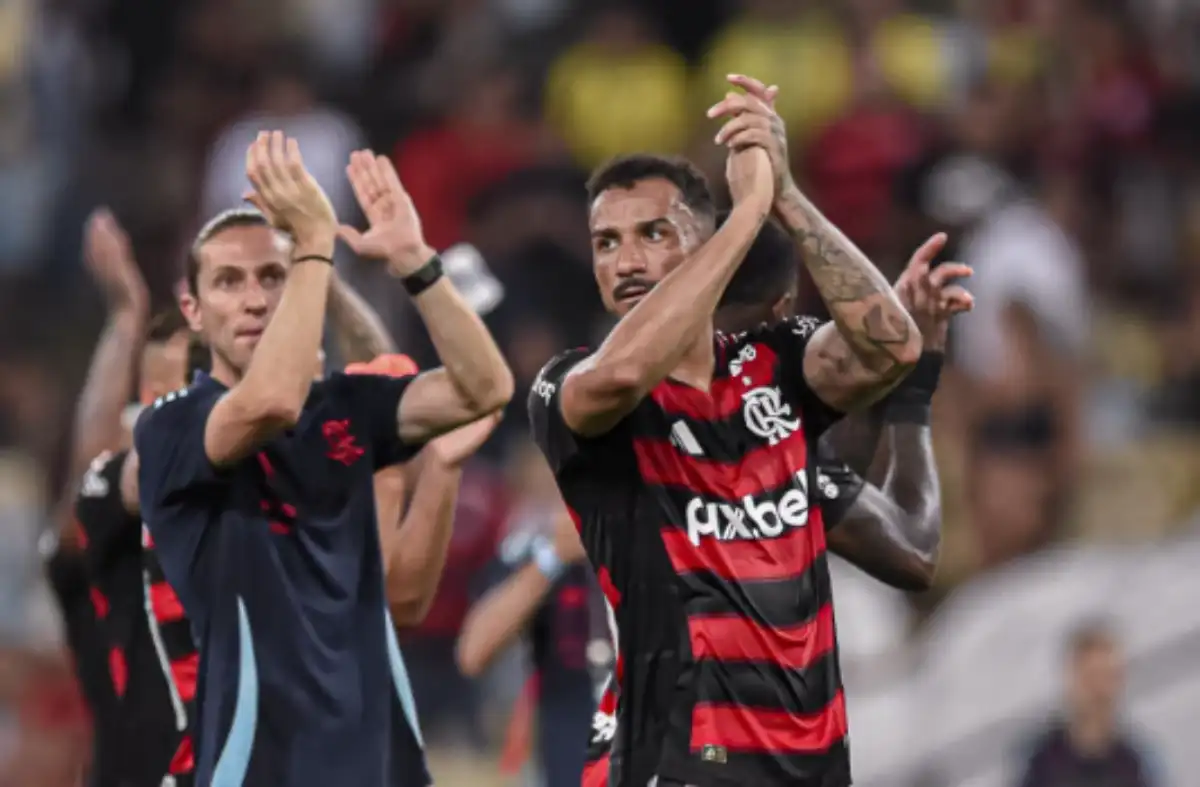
x,y
767,415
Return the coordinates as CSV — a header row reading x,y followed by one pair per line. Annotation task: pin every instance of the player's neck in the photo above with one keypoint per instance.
x,y
224,372
698,363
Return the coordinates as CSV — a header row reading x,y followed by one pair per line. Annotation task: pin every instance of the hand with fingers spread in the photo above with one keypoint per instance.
x,y
931,294
751,121
288,195
395,231
108,255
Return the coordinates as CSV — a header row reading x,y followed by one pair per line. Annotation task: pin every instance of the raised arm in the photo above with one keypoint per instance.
x,y
415,552
474,379
892,530
872,342
358,331
506,610
269,397
653,337
97,425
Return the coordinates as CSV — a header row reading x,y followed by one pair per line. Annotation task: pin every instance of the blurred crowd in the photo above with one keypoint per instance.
x,y
1053,139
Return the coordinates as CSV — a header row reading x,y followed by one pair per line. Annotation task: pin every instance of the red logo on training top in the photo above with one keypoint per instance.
x,y
341,442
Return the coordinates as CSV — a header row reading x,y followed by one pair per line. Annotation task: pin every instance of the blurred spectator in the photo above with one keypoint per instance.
x,y
619,89
483,138
818,56
1088,746
286,102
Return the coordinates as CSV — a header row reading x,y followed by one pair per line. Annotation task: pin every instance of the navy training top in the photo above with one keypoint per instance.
x,y
277,563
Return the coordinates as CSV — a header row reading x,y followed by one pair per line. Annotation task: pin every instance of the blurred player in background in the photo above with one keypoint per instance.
x,y
255,481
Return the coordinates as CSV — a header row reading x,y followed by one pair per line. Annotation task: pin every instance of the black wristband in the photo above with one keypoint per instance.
x,y
910,402
424,277
907,413
317,257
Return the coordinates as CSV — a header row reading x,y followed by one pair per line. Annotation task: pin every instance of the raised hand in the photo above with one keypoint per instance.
x,y
288,195
751,120
930,294
748,172
395,231
108,255
454,448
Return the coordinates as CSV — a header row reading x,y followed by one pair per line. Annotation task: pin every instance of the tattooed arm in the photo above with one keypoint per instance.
x,y
872,342
892,529
358,331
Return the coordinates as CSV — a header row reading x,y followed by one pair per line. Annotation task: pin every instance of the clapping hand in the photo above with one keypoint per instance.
x,y
395,232
108,255
930,293
751,121
288,195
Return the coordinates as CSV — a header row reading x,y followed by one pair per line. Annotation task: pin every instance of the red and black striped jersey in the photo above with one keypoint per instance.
x,y
178,658
840,487
138,738
700,513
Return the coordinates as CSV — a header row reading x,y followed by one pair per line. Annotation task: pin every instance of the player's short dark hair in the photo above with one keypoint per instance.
x,y
769,271
225,220
165,325
625,172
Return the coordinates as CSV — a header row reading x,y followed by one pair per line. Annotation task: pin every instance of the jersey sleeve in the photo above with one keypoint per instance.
x,y
108,528
560,445
790,338
169,440
375,398
837,488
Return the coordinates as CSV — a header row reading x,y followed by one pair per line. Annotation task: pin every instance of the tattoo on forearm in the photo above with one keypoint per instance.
x,y
857,294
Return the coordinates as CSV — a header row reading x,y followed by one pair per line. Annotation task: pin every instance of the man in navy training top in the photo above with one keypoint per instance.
x,y
256,482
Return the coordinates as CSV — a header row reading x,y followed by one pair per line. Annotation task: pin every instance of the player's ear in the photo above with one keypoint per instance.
x,y
190,306
784,307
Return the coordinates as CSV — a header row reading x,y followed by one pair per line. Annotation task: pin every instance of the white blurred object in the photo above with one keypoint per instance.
x,y
471,276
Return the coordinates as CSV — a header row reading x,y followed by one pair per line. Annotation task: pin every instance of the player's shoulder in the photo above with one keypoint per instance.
x,y
177,408
548,380
796,328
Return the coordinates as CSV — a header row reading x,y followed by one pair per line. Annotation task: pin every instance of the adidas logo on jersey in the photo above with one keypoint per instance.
x,y
750,519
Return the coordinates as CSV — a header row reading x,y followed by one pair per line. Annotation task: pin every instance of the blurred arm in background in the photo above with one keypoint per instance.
x,y
98,425
498,618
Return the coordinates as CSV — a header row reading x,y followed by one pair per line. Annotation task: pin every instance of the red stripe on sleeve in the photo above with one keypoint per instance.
x,y
595,773
164,603
183,672
184,760
724,397
740,639
744,560
752,730
765,467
